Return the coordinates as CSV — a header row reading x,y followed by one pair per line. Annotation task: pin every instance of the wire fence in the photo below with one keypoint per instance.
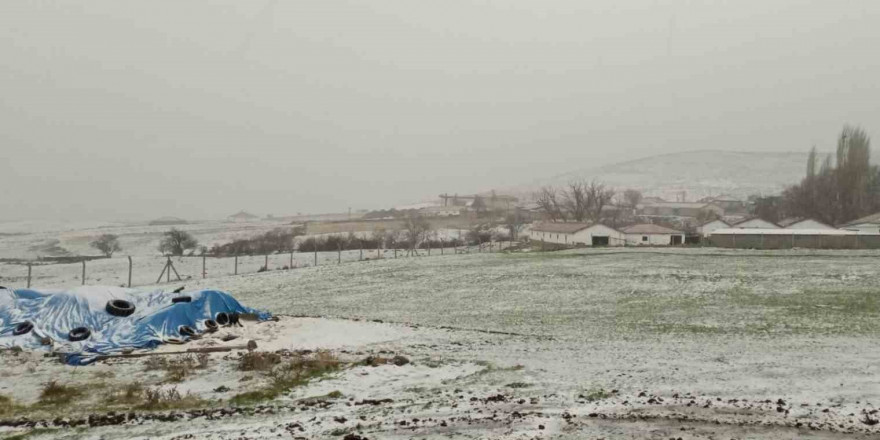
x,y
146,270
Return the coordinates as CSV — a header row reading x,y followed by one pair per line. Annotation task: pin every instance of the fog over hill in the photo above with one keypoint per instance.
x,y
697,173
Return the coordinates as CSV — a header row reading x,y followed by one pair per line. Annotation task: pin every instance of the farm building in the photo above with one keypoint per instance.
x,y
727,202
679,209
652,235
763,238
577,234
443,211
803,223
754,223
242,216
870,223
707,228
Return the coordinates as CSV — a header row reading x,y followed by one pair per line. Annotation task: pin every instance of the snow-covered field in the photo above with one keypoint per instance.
x,y
628,343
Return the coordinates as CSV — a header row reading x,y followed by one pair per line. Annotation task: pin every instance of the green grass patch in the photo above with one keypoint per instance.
x,y
290,374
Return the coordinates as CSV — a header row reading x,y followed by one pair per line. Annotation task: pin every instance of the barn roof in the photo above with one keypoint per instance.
x,y
713,221
561,228
648,229
748,219
871,219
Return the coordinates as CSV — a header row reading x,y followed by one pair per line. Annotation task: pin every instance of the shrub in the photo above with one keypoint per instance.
x,y
258,361
54,393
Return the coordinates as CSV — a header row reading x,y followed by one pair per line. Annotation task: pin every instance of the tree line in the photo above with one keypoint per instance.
x,y
841,187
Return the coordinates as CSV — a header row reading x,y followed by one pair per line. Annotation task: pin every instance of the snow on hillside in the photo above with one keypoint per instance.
x,y
697,173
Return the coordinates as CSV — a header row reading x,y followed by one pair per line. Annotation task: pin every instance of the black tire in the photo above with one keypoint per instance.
x,y
211,326
186,330
222,319
181,299
23,328
79,334
120,307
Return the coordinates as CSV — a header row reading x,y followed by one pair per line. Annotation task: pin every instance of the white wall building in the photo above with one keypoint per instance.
x,y
577,234
706,229
652,235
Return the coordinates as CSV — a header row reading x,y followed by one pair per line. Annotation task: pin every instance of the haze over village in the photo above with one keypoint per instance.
x,y
398,219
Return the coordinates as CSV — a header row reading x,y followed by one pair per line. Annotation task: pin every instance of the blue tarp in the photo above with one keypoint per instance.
x,y
155,320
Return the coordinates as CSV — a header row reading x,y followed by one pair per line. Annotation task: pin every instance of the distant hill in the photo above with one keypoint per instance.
x,y
697,173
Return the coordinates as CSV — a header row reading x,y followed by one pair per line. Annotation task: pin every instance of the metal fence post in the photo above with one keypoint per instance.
x,y
129,270
84,273
204,267
266,264
29,275
236,265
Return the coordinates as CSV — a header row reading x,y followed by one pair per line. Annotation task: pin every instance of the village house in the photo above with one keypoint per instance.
x,y
729,203
443,211
706,229
803,223
679,209
652,235
585,234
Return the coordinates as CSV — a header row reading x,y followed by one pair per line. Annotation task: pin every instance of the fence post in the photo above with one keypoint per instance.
x,y
316,250
441,247
361,258
168,273
338,252
84,273
378,245
29,275
291,260
480,246
395,251
236,265
266,264
204,267
429,248
129,270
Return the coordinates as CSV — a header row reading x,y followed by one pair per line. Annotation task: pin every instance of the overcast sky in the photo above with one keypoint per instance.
x,y
113,109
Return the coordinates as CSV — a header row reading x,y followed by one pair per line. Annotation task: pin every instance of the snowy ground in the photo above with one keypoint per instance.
x,y
645,343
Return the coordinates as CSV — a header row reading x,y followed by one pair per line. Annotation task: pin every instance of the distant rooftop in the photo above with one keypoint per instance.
x,y
648,229
561,228
873,219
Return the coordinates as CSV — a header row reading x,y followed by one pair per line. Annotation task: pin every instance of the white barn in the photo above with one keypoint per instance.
x,y
755,223
870,223
577,234
803,223
706,229
652,235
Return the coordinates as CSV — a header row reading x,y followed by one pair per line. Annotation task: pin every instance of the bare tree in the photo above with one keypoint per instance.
x,y
547,200
598,195
176,242
632,198
415,228
576,202
107,244
514,224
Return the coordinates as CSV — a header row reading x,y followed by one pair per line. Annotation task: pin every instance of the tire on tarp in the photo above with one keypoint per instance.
x,y
186,330
211,326
79,334
22,328
120,307
181,299
222,319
